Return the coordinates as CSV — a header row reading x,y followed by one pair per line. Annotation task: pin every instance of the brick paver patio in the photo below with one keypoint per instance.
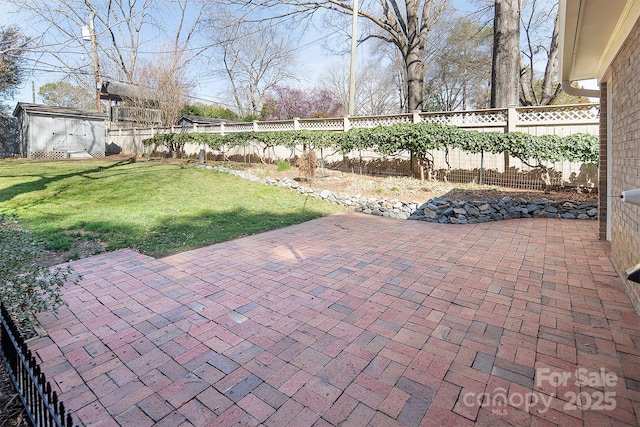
x,y
353,320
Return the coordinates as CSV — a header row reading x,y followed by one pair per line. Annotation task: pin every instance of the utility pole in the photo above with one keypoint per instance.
x,y
91,36
352,67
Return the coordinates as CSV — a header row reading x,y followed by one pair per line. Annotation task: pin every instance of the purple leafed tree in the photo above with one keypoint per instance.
x,y
285,103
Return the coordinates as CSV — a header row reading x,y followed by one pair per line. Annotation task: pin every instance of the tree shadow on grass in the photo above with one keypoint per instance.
x,y
43,181
177,234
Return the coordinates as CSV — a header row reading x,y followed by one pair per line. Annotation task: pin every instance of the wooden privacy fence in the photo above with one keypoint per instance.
x,y
41,404
498,169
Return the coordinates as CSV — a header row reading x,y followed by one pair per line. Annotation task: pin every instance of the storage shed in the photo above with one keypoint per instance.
x,y
189,121
49,132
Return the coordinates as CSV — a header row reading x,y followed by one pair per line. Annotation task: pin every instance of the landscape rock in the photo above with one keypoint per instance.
x,y
439,209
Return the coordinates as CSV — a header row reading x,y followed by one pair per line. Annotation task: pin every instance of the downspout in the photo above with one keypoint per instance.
x,y
577,5
577,91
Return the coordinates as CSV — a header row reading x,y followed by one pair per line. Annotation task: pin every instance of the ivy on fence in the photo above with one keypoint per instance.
x,y
419,139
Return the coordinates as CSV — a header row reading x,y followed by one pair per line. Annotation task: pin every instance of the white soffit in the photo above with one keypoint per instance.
x,y
593,32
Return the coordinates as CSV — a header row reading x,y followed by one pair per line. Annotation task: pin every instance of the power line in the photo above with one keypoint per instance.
x,y
212,101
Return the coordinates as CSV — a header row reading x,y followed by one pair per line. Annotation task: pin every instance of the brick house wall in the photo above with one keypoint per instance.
x,y
622,91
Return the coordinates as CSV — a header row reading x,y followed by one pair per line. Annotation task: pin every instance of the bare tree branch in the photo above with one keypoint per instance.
x,y
541,46
255,56
126,33
405,24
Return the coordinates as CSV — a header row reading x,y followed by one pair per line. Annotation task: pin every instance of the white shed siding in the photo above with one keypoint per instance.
x,y
50,132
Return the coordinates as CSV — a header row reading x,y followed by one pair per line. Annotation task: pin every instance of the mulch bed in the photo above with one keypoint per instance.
x,y
12,412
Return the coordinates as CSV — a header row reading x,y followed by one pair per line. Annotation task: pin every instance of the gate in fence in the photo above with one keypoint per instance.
x,y
41,404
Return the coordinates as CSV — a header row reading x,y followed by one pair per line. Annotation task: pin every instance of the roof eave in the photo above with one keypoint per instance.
x,y
43,110
592,33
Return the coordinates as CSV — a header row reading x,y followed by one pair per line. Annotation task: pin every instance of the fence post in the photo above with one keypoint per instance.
x,y
222,129
512,118
296,123
255,126
512,122
482,164
416,116
346,124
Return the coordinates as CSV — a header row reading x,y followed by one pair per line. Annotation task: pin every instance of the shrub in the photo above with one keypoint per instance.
x,y
283,166
307,164
25,286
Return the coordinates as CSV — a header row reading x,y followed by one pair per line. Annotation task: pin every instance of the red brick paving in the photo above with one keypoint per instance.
x,y
352,320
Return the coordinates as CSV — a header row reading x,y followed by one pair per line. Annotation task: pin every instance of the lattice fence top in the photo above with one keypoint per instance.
x,y
272,126
375,121
471,118
324,124
216,128
238,127
574,113
548,116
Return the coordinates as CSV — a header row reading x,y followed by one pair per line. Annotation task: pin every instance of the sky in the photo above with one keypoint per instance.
x,y
313,60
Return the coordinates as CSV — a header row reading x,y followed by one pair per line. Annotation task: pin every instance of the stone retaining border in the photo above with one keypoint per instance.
x,y
441,210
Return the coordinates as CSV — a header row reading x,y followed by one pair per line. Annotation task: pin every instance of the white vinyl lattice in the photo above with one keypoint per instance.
x,y
55,155
238,127
58,155
375,121
466,118
271,126
326,124
560,114
562,119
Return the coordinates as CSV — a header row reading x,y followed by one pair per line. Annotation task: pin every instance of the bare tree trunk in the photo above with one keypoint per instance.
x,y
505,72
543,90
418,27
526,85
551,90
415,79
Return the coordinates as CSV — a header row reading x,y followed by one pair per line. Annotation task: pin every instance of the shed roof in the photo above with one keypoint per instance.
x,y
52,110
591,34
118,91
201,120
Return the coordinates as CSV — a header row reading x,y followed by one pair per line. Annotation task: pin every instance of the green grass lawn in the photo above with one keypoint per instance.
x,y
153,207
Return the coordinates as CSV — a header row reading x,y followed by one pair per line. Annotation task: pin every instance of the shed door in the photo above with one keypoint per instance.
x,y
77,135
57,140
69,134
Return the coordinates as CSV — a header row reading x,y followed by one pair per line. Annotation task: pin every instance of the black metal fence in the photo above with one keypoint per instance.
x,y
41,404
